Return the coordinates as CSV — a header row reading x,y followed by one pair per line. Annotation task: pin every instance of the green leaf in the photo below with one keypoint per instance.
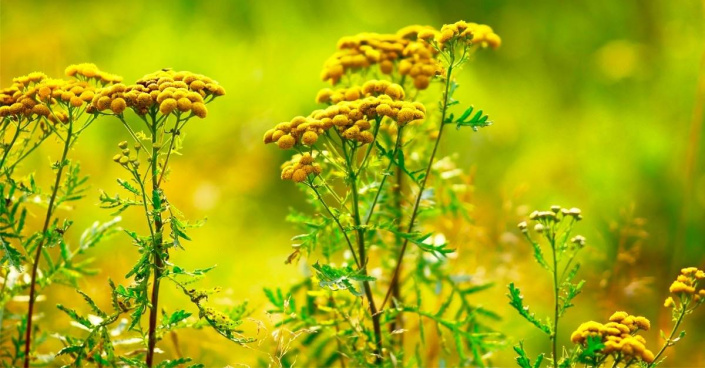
x,y
142,263
523,360
570,291
438,251
133,362
516,301
593,347
10,255
340,278
97,232
75,316
538,255
173,363
276,299
479,120
176,270
92,304
176,317
129,187
73,349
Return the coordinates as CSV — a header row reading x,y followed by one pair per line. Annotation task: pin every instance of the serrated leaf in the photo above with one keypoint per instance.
x,y
129,187
70,350
340,278
516,301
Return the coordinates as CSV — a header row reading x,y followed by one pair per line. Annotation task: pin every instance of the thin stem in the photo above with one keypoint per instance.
x,y
174,133
40,245
134,136
136,175
156,248
9,147
369,147
554,336
340,226
396,290
397,147
341,356
414,212
670,337
363,258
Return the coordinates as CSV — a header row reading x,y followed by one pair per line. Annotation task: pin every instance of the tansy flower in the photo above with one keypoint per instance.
x,y
299,168
402,52
618,337
166,91
352,119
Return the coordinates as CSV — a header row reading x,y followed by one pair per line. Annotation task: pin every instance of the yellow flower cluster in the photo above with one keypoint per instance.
x,y
91,71
370,88
619,337
351,118
403,51
167,90
687,286
471,33
299,168
20,99
411,51
111,97
35,94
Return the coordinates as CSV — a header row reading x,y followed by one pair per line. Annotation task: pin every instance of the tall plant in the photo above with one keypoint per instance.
x,y
366,160
35,110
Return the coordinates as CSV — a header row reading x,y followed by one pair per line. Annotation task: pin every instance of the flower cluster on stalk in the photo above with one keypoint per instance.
x,y
168,91
688,287
35,95
619,338
412,51
351,113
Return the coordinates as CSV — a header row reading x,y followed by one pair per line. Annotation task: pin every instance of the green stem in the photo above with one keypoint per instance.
x,y
134,136
174,133
554,336
340,226
414,212
397,147
363,259
9,146
670,337
340,354
40,245
369,147
156,248
396,290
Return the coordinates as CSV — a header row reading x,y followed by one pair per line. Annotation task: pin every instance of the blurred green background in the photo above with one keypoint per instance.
x,y
595,105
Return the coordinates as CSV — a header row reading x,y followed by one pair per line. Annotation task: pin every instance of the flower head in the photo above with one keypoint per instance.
x,y
299,168
688,287
165,91
403,52
350,113
618,336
